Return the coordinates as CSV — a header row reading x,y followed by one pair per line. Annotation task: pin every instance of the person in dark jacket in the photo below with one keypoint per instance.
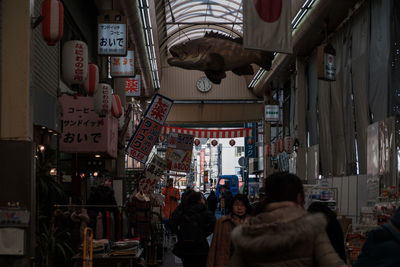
x,y
333,229
193,223
212,202
382,247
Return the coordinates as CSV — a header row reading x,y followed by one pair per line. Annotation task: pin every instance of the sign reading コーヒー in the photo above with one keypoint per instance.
x,y
146,135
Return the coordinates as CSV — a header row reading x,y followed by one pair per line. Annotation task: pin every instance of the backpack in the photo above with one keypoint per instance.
x,y
191,239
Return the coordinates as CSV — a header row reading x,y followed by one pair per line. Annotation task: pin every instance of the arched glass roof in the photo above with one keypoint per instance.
x,y
190,19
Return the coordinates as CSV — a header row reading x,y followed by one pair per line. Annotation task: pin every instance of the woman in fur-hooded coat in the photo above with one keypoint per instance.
x,y
284,234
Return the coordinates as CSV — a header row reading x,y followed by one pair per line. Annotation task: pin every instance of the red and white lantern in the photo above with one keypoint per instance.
x,y
274,150
288,143
75,62
116,107
214,142
281,148
103,99
92,80
268,150
232,142
197,142
53,22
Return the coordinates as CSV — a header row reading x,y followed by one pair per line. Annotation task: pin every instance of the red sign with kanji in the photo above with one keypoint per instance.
x,y
149,129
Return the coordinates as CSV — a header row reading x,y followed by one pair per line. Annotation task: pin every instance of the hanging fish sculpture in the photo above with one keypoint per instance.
x,y
215,54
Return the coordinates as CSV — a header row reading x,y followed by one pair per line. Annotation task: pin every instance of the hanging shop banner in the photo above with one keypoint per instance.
x,y
179,152
154,171
250,142
271,113
83,131
123,66
146,135
326,60
202,164
204,133
132,86
111,34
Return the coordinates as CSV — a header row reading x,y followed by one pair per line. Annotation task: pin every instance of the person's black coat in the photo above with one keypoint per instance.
x,y
202,223
212,202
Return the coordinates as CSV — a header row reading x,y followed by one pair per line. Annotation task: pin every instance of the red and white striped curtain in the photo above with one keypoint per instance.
x,y
204,133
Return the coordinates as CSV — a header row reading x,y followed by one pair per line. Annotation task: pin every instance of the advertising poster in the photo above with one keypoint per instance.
x,y
179,152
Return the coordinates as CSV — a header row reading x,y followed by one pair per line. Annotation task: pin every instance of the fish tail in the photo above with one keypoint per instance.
x,y
266,60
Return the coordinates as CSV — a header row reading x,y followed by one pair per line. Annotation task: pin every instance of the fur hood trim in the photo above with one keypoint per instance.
x,y
281,228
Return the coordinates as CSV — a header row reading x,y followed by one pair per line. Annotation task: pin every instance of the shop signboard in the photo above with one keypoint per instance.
x,y
154,171
149,129
326,57
83,131
272,113
112,34
123,66
132,86
250,143
179,152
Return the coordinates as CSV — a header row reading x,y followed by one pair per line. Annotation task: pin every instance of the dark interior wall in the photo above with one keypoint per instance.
x,y
17,184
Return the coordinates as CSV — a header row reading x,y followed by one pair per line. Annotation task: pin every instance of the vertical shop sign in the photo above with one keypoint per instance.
x,y
179,152
123,66
146,135
250,142
132,86
202,163
326,58
111,34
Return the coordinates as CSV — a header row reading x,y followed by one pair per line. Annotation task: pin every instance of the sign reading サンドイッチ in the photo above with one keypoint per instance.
x,y
149,129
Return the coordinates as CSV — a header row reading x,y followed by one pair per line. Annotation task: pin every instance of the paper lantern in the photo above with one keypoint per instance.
x,y
274,150
92,80
281,148
214,142
102,99
116,107
121,121
197,142
53,22
250,141
75,62
288,144
232,142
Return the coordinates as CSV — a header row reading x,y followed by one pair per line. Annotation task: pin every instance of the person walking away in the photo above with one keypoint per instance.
x,y
283,234
212,202
226,197
171,197
382,246
192,223
333,229
221,248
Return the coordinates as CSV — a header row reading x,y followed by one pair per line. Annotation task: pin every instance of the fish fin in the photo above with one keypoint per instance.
x,y
215,62
215,76
222,36
244,70
267,58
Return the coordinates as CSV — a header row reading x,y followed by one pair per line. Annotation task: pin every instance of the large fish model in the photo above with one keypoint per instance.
x,y
215,54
